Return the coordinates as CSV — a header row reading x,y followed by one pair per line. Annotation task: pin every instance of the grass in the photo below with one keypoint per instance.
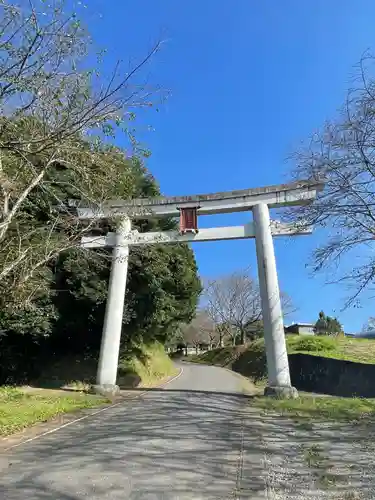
x,y
320,407
144,366
141,366
350,349
221,357
20,409
148,365
250,360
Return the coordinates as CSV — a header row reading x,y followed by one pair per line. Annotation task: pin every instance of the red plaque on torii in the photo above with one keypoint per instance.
x,y
188,220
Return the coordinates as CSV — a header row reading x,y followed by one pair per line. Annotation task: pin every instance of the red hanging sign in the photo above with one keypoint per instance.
x,y
188,220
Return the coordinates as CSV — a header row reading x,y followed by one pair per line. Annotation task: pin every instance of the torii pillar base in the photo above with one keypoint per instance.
x,y
281,392
107,390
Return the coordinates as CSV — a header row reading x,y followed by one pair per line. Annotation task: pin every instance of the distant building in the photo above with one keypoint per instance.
x,y
301,329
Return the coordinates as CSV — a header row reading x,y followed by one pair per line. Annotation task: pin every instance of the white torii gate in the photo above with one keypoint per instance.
x,y
262,229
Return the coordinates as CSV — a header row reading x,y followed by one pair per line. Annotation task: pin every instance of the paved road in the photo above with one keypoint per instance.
x,y
187,442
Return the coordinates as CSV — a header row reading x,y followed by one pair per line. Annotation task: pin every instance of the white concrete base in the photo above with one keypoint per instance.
x,y
281,392
107,390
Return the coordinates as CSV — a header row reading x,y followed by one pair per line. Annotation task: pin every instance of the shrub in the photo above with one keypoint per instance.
x,y
313,344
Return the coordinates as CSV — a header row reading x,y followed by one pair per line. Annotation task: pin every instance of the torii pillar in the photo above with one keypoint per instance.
x,y
110,344
279,383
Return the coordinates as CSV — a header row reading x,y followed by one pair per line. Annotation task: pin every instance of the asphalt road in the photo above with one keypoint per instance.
x,y
188,441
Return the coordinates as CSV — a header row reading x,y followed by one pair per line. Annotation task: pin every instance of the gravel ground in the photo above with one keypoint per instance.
x,y
200,438
318,461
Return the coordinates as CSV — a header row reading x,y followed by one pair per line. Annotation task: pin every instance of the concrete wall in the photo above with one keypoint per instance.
x,y
332,376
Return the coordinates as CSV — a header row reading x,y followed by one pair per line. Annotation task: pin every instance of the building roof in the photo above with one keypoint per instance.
x,y
302,324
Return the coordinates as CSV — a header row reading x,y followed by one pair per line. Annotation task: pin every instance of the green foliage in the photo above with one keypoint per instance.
x,y
163,291
254,330
140,365
66,314
312,344
149,364
56,116
326,325
252,362
223,356
55,121
249,361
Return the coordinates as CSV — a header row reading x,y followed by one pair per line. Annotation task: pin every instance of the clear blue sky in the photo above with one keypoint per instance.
x,y
248,80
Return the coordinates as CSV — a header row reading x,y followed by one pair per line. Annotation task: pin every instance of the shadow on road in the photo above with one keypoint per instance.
x,y
167,444
177,445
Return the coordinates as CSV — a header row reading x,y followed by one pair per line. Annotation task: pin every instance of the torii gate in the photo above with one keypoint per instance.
x,y
257,200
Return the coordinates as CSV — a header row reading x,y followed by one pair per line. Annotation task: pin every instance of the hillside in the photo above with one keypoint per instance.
x,y
144,366
250,360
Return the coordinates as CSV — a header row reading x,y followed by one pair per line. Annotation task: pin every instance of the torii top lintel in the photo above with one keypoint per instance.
x,y
296,193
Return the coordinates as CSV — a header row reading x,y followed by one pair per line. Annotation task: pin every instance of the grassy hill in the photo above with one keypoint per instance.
x,y
250,360
141,366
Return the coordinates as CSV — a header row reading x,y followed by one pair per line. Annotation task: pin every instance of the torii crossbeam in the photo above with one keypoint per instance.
x,y
258,201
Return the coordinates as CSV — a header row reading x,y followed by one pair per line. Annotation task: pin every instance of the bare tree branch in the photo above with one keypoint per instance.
x,y
201,330
55,115
344,154
233,302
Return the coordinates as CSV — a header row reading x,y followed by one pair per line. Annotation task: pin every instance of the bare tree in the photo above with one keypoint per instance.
x,y
54,113
343,154
201,330
369,326
208,328
233,302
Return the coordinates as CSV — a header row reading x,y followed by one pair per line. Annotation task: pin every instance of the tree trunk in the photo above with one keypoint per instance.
x,y
242,337
221,343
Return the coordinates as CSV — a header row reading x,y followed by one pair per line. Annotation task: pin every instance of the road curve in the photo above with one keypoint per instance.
x,y
185,442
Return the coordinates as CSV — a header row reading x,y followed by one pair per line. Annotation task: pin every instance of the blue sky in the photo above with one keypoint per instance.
x,y
248,80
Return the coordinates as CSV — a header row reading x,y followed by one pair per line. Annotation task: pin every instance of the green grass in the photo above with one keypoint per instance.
x,y
20,409
350,349
148,364
320,407
220,357
250,360
140,366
